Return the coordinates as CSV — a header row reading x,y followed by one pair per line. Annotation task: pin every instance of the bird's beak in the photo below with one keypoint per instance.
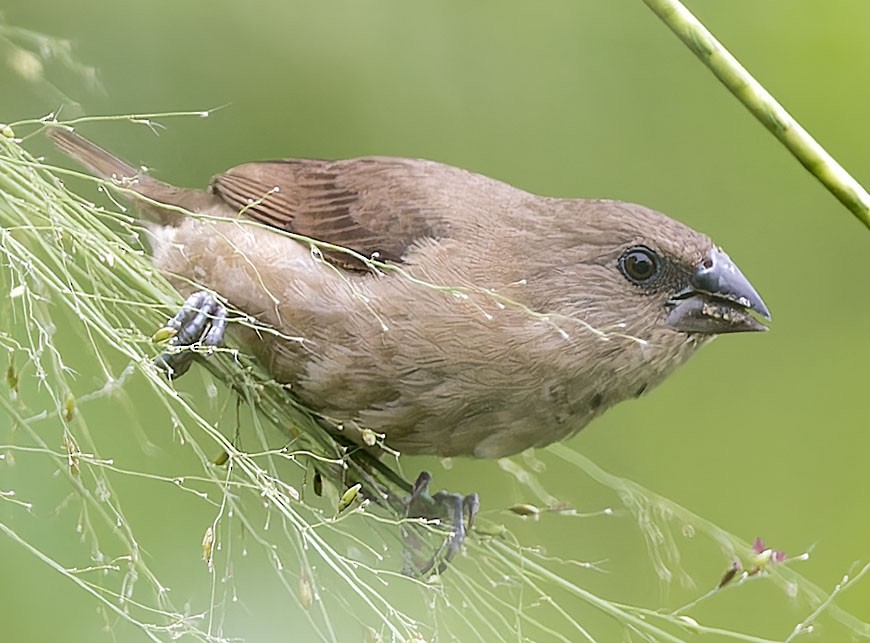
x,y
718,300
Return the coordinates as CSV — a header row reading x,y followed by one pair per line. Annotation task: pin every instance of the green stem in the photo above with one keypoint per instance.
x,y
765,108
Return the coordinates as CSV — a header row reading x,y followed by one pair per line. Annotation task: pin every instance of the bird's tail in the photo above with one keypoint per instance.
x,y
107,166
102,163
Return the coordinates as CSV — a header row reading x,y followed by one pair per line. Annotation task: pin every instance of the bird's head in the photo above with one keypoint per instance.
x,y
645,290
642,274
691,285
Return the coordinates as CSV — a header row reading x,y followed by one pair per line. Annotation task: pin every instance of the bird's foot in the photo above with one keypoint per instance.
x,y
202,321
453,510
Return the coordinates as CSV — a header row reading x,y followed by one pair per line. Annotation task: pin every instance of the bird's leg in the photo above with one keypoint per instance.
x,y
202,320
452,509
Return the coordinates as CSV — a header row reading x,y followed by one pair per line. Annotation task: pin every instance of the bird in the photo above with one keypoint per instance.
x,y
449,312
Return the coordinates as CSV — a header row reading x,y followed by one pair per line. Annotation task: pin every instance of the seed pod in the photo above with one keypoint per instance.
x,y
348,497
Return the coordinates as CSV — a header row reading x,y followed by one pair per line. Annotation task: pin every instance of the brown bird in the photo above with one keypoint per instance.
x,y
502,320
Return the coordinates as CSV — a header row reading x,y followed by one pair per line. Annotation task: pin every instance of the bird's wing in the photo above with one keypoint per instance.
x,y
377,207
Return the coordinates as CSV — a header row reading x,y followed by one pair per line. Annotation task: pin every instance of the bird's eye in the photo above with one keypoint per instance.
x,y
640,265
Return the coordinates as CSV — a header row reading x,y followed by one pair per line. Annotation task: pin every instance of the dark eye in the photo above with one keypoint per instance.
x,y
640,265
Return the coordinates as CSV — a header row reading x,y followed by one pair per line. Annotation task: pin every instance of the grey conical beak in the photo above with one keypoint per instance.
x,y
717,300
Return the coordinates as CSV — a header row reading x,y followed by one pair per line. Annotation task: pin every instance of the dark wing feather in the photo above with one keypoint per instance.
x,y
377,207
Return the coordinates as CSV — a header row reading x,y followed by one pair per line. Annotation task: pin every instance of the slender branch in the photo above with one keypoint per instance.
x,y
765,108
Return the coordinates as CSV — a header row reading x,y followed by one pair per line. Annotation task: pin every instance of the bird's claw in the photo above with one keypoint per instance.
x,y
451,509
202,320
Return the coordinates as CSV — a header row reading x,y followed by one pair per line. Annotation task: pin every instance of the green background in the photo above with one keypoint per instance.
x,y
765,435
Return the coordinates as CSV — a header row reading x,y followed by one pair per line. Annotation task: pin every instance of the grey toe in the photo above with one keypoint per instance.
x,y
201,321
